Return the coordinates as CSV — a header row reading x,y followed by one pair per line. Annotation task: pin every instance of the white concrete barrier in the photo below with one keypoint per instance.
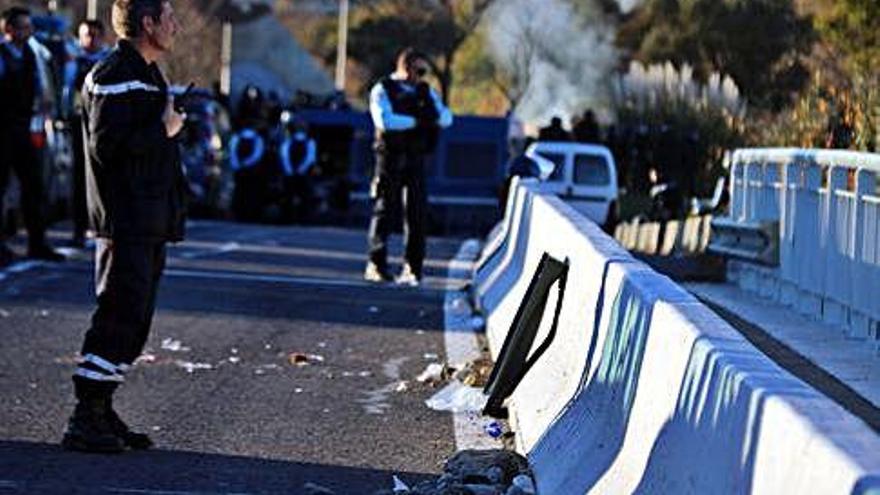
x,y
644,390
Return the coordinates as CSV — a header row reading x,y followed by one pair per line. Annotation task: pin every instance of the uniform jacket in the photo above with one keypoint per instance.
x,y
18,85
134,179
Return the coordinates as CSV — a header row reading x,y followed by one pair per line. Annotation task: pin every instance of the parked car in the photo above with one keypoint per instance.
x,y
583,175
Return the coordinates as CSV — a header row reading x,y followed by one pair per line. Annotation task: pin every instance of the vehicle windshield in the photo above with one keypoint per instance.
x,y
591,170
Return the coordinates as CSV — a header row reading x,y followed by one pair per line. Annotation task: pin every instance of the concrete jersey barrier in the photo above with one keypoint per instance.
x,y
645,390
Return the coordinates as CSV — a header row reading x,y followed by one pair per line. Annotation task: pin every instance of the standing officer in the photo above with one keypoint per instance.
x,y
91,50
19,95
297,154
408,115
135,188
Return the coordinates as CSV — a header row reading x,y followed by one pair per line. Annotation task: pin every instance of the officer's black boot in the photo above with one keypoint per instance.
x,y
89,428
131,439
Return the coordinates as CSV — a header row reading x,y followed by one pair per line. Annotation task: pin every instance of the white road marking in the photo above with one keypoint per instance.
x,y
251,277
462,346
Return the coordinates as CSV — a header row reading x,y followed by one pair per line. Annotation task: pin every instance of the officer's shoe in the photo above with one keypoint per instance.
x,y
45,253
131,439
408,277
89,430
373,273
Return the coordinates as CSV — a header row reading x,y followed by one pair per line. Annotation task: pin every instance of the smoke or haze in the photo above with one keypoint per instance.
x,y
627,5
559,61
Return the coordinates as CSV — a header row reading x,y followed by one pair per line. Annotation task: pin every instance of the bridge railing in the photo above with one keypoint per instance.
x,y
828,209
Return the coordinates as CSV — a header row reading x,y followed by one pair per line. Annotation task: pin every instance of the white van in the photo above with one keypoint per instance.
x,y
583,175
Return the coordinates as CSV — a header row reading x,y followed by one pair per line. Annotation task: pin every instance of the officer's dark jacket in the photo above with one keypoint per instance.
x,y
18,86
135,183
418,104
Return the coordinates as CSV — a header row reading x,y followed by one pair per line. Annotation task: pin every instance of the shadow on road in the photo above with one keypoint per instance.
x,y
35,468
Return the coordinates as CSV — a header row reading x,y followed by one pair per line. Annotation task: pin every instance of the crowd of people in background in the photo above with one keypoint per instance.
x,y
255,161
653,160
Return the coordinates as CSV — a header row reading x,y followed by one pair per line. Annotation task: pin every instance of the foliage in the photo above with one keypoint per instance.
x,y
851,27
686,125
437,27
759,43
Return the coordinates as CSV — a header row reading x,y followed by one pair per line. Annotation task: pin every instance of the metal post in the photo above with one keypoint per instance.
x,y
226,60
342,47
92,11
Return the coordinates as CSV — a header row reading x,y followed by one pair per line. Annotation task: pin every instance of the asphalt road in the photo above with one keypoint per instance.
x,y
228,411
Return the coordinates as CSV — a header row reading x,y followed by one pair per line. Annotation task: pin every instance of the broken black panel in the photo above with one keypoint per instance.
x,y
514,361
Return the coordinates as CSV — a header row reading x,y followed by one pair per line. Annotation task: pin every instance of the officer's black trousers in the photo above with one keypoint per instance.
x,y
126,280
399,178
18,154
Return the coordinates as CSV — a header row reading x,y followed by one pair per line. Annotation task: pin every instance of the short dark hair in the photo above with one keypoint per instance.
x,y
409,55
94,24
12,14
128,16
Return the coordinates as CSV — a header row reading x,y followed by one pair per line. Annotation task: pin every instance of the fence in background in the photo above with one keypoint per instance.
x,y
828,209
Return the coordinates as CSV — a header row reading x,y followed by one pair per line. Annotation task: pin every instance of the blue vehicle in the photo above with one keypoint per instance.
x,y
464,174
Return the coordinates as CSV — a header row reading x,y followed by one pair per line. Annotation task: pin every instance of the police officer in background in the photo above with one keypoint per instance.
x,y
136,193
19,96
297,154
408,115
90,50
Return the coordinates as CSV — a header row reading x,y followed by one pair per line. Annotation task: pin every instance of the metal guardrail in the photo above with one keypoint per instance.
x,y
827,208
754,242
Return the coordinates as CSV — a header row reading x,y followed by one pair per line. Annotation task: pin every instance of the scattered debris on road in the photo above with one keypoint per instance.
x,y
191,367
174,345
458,398
399,486
475,373
303,359
475,472
434,374
314,489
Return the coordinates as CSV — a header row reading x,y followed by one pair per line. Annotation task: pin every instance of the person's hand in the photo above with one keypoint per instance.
x,y
172,119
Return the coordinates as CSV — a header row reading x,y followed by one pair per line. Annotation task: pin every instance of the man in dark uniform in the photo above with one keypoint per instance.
x,y
19,90
297,154
135,192
408,115
554,131
91,51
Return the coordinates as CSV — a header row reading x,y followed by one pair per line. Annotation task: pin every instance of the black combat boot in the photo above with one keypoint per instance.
x,y
131,439
89,428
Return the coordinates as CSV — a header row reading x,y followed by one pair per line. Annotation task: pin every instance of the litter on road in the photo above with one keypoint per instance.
x,y
434,373
458,398
193,367
173,345
303,359
399,485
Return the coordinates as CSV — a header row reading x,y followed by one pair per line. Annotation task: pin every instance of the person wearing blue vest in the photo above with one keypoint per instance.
x,y
19,96
247,151
408,116
297,154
